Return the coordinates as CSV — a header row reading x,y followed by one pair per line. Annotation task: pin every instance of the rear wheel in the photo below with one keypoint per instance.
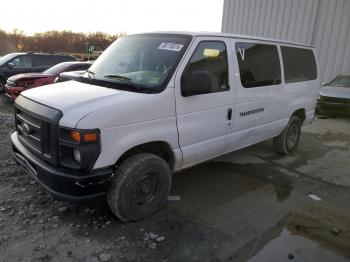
x,y
288,140
140,187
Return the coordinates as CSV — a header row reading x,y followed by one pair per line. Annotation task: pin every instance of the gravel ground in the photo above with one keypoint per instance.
x,y
245,205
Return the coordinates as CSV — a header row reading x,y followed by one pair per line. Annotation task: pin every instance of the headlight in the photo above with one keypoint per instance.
x,y
79,148
26,83
319,98
76,155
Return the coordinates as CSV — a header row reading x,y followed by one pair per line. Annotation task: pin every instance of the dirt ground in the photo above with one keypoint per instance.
x,y
250,205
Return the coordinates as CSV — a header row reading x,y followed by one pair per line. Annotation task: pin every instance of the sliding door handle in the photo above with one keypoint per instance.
x,y
229,114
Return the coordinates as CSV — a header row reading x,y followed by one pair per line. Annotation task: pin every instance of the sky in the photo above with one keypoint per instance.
x,y
111,16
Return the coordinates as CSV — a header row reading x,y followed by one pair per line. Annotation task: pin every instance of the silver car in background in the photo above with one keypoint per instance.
x,y
334,97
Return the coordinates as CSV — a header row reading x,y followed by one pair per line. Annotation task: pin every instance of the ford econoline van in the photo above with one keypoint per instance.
x,y
153,104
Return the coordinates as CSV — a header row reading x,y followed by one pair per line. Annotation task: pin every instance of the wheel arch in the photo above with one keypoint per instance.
x,y
301,113
159,148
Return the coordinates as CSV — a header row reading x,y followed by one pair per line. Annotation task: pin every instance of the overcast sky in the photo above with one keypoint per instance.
x,y
111,16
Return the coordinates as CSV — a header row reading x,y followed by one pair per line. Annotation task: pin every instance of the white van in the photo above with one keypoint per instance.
x,y
153,104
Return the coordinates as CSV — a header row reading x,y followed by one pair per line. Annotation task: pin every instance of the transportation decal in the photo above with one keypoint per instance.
x,y
250,112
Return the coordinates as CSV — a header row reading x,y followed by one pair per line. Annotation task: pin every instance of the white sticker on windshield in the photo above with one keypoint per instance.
x,y
171,46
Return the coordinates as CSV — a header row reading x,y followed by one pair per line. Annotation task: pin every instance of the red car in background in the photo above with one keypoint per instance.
x,y
18,83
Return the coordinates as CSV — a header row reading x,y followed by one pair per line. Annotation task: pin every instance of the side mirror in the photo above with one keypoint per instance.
x,y
195,83
10,65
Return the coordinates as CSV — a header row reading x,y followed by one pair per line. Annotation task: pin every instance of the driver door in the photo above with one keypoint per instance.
x,y
204,120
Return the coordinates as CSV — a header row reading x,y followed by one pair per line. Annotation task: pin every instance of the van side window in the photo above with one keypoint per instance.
x,y
299,64
211,57
259,64
40,60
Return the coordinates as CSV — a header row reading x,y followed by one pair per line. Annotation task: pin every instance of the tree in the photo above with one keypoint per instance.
x,y
53,41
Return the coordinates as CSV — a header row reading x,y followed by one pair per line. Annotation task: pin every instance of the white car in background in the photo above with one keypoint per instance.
x,y
334,96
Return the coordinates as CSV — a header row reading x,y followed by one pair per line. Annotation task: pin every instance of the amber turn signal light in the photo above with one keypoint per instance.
x,y
75,136
90,137
87,137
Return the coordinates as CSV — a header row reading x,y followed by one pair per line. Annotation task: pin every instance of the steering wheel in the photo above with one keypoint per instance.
x,y
161,68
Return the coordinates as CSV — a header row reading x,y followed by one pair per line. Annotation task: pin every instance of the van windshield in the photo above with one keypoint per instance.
x,y
145,61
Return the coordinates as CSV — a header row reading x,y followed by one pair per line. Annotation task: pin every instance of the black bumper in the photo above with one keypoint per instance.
x,y
333,107
62,184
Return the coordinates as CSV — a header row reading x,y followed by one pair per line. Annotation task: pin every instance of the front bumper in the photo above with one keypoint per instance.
x,y
333,107
62,184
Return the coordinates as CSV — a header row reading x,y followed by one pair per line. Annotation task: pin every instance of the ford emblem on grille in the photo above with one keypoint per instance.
x,y
26,129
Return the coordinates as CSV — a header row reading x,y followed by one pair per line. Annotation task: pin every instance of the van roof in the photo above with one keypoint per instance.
x,y
219,34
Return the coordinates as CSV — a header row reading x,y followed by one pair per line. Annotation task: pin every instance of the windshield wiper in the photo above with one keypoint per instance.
x,y
118,77
89,72
127,80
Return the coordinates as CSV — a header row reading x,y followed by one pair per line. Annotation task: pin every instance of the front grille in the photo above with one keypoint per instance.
x,y
33,132
336,100
37,127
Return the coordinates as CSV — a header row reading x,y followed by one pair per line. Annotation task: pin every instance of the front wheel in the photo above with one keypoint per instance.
x,y
288,140
140,187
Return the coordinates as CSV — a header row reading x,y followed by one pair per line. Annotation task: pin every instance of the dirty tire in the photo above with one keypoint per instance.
x,y
140,187
288,140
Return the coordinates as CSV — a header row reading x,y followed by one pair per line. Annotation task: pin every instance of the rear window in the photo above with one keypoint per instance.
x,y
299,64
259,64
79,67
56,69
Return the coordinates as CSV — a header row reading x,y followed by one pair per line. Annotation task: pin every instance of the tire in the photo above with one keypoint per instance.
x,y
140,187
288,140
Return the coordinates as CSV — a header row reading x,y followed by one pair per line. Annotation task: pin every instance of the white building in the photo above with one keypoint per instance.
x,y
324,24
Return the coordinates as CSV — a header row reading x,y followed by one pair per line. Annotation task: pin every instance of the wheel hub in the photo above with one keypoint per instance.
x,y
145,189
292,135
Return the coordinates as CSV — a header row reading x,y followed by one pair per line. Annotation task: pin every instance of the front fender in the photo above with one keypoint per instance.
x,y
115,141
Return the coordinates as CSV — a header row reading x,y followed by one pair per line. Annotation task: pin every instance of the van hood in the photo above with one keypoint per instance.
x,y
333,91
76,99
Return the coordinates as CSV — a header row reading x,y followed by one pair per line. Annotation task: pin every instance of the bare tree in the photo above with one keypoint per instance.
x,y
54,41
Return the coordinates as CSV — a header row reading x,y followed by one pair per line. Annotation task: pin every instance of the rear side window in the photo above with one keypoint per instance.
x,y
43,60
259,64
211,56
299,64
